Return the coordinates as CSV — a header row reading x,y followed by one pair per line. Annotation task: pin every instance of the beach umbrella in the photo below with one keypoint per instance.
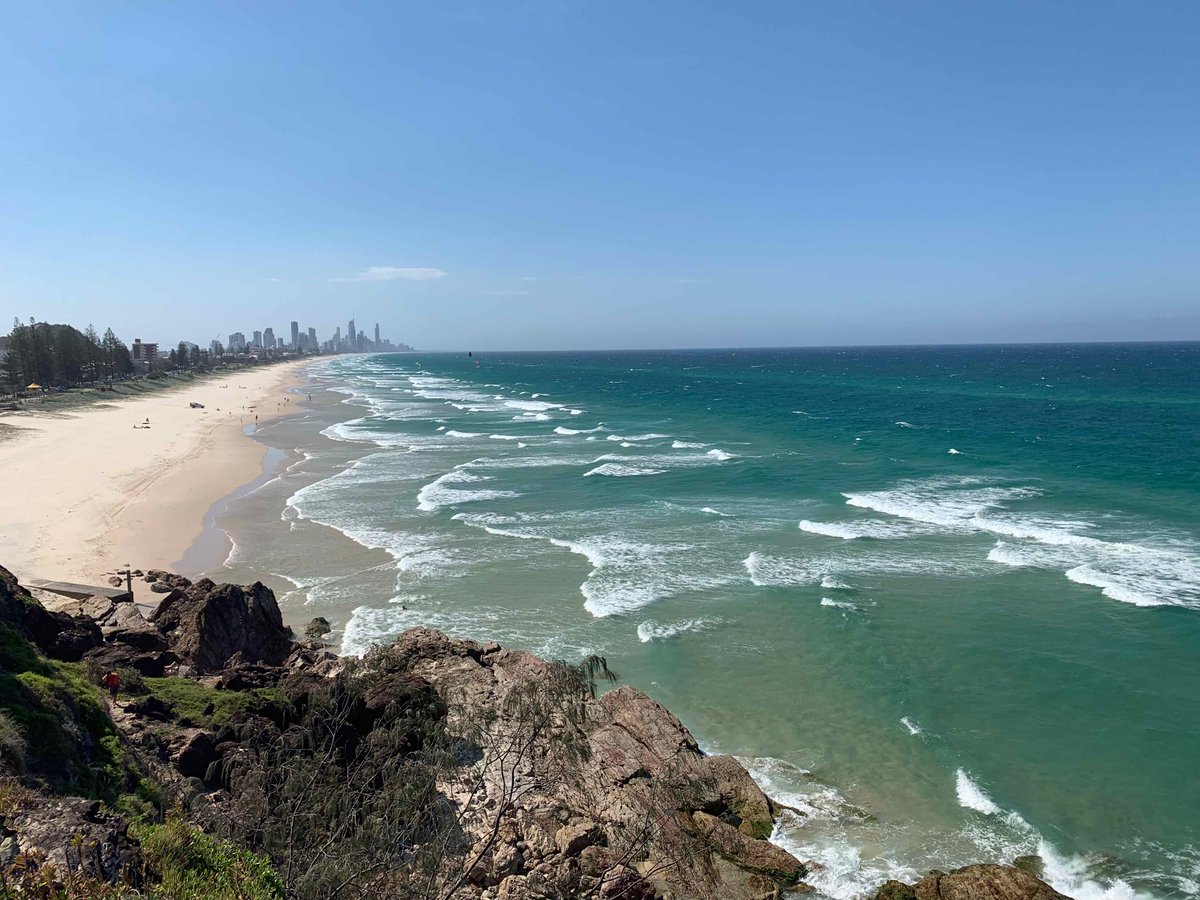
x,y
34,387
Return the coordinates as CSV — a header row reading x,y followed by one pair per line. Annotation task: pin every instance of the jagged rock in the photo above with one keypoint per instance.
x,y
115,581
74,835
573,839
749,853
150,579
318,627
191,753
643,766
979,882
209,624
176,582
59,635
161,587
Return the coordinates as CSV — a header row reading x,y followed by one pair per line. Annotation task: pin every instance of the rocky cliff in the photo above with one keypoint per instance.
x,y
431,768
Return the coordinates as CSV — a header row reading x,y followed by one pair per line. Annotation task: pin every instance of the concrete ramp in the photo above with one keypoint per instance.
x,y
81,591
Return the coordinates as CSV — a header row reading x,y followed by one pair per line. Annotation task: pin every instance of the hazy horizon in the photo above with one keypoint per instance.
x,y
591,176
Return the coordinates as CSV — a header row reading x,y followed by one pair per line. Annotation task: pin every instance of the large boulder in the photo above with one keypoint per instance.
x,y
211,626
979,882
59,635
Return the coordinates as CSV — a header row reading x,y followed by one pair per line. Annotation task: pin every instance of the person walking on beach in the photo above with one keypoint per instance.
x,y
112,681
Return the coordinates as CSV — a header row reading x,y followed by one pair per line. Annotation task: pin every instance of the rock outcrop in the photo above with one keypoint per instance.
x,y
643,803
979,882
212,626
75,835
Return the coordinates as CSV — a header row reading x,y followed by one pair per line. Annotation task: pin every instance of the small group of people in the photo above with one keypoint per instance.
x,y
145,423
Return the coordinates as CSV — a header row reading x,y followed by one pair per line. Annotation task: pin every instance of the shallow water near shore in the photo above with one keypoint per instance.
x,y
945,602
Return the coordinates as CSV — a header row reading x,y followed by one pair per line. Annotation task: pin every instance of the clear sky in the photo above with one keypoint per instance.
x,y
616,173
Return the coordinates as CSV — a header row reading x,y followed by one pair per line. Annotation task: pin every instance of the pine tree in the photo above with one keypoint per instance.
x,y
92,352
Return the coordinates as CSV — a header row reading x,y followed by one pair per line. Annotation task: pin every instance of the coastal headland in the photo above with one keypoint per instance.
x,y
91,490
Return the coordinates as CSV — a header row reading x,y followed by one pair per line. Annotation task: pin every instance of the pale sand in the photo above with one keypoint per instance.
x,y
86,493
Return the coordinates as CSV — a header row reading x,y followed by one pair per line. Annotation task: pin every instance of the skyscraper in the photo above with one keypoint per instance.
x,y
258,339
295,337
351,337
376,347
269,338
312,340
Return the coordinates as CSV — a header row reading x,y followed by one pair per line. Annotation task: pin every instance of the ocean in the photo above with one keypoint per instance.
x,y
943,602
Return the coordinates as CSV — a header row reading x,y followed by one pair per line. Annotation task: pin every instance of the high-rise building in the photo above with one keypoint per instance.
x,y
269,338
237,342
352,337
144,354
312,340
377,346
295,336
258,340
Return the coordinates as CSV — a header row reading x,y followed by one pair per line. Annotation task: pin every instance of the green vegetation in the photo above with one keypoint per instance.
x,y
210,707
188,864
54,708
53,355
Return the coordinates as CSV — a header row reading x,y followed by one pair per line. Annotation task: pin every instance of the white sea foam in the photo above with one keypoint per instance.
x,y
768,571
575,412
840,604
1126,587
862,528
465,434
438,494
627,573
833,584
906,425
531,417
564,430
505,437
951,503
531,405
637,437
913,728
972,796
720,455
954,452
687,445
653,631
713,512
620,470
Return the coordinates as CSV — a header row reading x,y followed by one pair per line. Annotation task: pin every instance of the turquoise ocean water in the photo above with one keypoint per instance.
x,y
944,602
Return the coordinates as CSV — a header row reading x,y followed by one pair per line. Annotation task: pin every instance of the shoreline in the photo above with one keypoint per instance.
x,y
87,492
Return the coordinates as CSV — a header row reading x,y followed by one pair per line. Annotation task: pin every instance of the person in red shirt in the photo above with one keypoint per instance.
x,y
112,681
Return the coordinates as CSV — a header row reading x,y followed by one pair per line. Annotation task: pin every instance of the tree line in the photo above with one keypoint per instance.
x,y
60,355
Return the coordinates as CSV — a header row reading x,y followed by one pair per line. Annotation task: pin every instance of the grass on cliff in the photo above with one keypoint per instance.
x,y
187,864
208,706
58,715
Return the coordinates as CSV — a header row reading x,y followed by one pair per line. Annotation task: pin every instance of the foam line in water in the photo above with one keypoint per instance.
x,y
619,470
653,631
840,604
437,494
972,796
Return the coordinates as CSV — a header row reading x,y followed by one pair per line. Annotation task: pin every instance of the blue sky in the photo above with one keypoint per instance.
x,y
528,175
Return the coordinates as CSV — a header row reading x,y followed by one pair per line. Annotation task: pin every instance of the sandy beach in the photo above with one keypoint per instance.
x,y
87,492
